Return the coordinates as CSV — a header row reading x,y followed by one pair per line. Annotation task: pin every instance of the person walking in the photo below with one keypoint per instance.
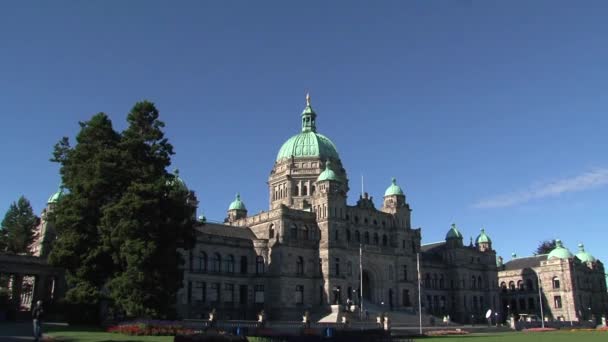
x,y
37,315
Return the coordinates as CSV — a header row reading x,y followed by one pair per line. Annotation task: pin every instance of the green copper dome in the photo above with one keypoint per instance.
x,y
453,233
394,189
584,256
237,204
483,238
177,182
559,251
328,174
56,196
308,143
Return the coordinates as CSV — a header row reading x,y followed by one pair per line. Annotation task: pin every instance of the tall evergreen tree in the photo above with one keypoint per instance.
x,y
91,172
17,232
121,224
545,247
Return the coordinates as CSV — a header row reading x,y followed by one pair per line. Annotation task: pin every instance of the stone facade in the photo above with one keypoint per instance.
x,y
304,253
570,290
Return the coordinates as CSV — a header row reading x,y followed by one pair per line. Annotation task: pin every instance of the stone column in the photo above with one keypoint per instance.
x,y
16,289
40,288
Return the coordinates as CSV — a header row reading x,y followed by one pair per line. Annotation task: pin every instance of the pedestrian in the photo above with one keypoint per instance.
x,y
37,315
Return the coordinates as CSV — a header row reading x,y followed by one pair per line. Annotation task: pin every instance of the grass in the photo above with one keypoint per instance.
x,y
96,334
554,336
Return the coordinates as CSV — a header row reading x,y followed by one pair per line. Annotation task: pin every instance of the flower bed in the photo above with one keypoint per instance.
x,y
446,332
539,329
151,328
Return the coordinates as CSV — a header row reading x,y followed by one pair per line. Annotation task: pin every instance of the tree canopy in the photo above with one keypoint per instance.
x,y
17,228
545,247
121,224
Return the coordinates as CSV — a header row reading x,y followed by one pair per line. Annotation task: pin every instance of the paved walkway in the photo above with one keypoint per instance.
x,y
16,331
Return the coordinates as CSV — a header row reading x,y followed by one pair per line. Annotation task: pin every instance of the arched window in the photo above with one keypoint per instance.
x,y
520,285
305,233
555,282
503,286
348,235
216,263
229,264
384,240
202,262
375,238
312,189
529,285
304,190
271,231
441,282
479,283
357,236
296,190
300,266
473,282
366,238
259,264
294,232
511,286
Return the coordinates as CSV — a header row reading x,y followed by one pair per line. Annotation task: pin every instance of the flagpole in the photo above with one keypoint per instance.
x,y
361,281
540,299
419,295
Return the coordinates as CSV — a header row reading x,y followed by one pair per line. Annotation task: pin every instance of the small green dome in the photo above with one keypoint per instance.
x,y
584,256
176,182
453,233
483,237
328,174
394,189
237,204
559,251
56,196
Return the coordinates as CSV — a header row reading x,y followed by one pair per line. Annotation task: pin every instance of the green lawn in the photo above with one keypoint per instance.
x,y
95,334
557,336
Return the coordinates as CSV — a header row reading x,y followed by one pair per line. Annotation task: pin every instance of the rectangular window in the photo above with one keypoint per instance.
x,y
229,293
259,294
557,301
404,272
299,294
214,294
200,289
243,294
189,292
337,266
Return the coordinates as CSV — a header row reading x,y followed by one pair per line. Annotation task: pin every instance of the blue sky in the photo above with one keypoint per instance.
x,y
489,113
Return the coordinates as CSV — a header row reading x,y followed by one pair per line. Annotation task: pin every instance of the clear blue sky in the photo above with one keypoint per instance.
x,y
489,113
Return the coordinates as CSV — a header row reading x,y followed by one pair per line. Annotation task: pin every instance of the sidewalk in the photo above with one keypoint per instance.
x,y
18,331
